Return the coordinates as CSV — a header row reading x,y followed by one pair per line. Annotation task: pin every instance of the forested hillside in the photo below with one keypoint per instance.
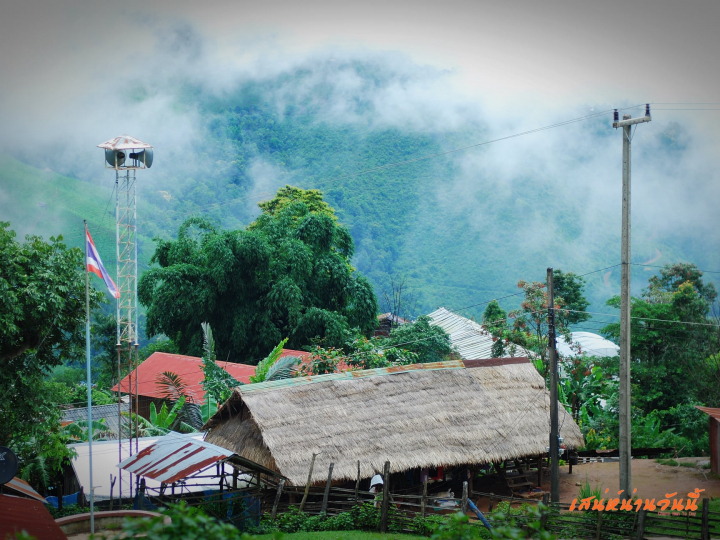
x,y
462,228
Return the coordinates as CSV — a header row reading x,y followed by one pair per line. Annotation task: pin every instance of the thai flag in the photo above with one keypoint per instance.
x,y
95,265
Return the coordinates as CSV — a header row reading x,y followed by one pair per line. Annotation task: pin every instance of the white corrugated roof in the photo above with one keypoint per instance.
x,y
124,142
470,339
590,345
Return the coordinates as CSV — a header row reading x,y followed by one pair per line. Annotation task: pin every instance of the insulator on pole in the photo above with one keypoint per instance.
x,y
647,109
616,116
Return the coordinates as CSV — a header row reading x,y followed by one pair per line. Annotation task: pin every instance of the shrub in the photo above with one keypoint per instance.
x,y
186,522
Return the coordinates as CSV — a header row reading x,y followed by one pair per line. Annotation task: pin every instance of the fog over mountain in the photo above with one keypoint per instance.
x,y
232,122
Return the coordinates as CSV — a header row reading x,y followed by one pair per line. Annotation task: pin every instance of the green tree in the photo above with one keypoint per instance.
x,y
530,329
673,335
288,275
429,342
42,319
494,320
571,288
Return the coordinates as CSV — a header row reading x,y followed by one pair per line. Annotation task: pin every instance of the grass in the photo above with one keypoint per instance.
x,y
344,535
668,462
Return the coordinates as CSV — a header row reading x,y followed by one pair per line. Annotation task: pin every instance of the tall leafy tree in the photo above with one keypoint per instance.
x,y
286,275
42,317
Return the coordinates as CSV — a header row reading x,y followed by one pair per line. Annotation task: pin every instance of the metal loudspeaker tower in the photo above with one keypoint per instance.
x,y
125,155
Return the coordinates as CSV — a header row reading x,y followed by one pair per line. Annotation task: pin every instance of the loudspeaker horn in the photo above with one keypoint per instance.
x,y
115,158
144,156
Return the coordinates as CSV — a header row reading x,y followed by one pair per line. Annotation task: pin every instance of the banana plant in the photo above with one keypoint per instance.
x,y
79,430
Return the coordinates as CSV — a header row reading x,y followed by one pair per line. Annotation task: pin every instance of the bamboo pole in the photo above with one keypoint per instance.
x,y
307,485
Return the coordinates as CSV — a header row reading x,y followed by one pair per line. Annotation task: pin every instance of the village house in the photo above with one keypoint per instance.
x,y
457,415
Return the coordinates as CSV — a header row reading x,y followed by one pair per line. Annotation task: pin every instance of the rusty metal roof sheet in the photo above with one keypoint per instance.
x,y
21,486
173,458
18,514
124,142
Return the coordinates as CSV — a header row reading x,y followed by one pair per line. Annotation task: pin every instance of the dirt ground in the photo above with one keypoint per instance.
x,y
651,480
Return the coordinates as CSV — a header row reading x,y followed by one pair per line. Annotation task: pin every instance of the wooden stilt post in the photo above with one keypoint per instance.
x,y
309,480
112,485
386,498
705,535
640,531
277,499
599,526
357,485
464,503
423,501
544,517
327,490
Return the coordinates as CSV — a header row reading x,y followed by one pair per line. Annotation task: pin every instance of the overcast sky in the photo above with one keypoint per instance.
x,y
546,53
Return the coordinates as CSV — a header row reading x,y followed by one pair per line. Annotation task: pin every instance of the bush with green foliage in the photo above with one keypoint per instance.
x,y
185,523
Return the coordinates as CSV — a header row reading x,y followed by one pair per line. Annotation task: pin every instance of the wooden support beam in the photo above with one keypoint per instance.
x,y
386,498
277,499
327,489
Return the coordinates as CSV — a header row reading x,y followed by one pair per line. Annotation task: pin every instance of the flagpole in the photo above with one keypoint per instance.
x,y
89,381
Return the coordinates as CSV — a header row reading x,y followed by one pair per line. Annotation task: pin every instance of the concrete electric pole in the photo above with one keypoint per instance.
x,y
625,408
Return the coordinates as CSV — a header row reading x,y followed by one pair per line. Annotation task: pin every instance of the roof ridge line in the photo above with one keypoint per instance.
x,y
348,375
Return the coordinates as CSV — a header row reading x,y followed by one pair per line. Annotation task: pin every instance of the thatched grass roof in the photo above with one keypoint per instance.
x,y
448,413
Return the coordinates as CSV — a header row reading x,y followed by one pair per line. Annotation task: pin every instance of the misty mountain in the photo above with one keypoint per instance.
x,y
462,227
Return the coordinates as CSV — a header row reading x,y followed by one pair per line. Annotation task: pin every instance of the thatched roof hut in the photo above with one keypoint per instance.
x,y
424,415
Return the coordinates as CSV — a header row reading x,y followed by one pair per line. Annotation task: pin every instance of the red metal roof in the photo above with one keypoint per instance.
x,y
715,413
18,514
189,368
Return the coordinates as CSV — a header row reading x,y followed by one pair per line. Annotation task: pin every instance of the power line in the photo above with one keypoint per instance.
x,y
476,145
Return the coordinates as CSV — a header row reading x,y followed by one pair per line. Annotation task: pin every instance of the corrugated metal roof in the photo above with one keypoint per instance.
x,y
590,345
124,142
108,412
715,413
176,458
189,368
18,514
21,486
105,460
469,338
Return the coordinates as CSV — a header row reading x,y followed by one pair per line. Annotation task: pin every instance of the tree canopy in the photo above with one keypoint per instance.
x,y
288,275
42,316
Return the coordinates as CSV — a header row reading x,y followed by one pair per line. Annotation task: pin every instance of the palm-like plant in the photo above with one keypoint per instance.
x,y
160,423
217,382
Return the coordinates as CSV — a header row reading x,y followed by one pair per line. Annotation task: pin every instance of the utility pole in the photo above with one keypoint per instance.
x,y
554,424
625,409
